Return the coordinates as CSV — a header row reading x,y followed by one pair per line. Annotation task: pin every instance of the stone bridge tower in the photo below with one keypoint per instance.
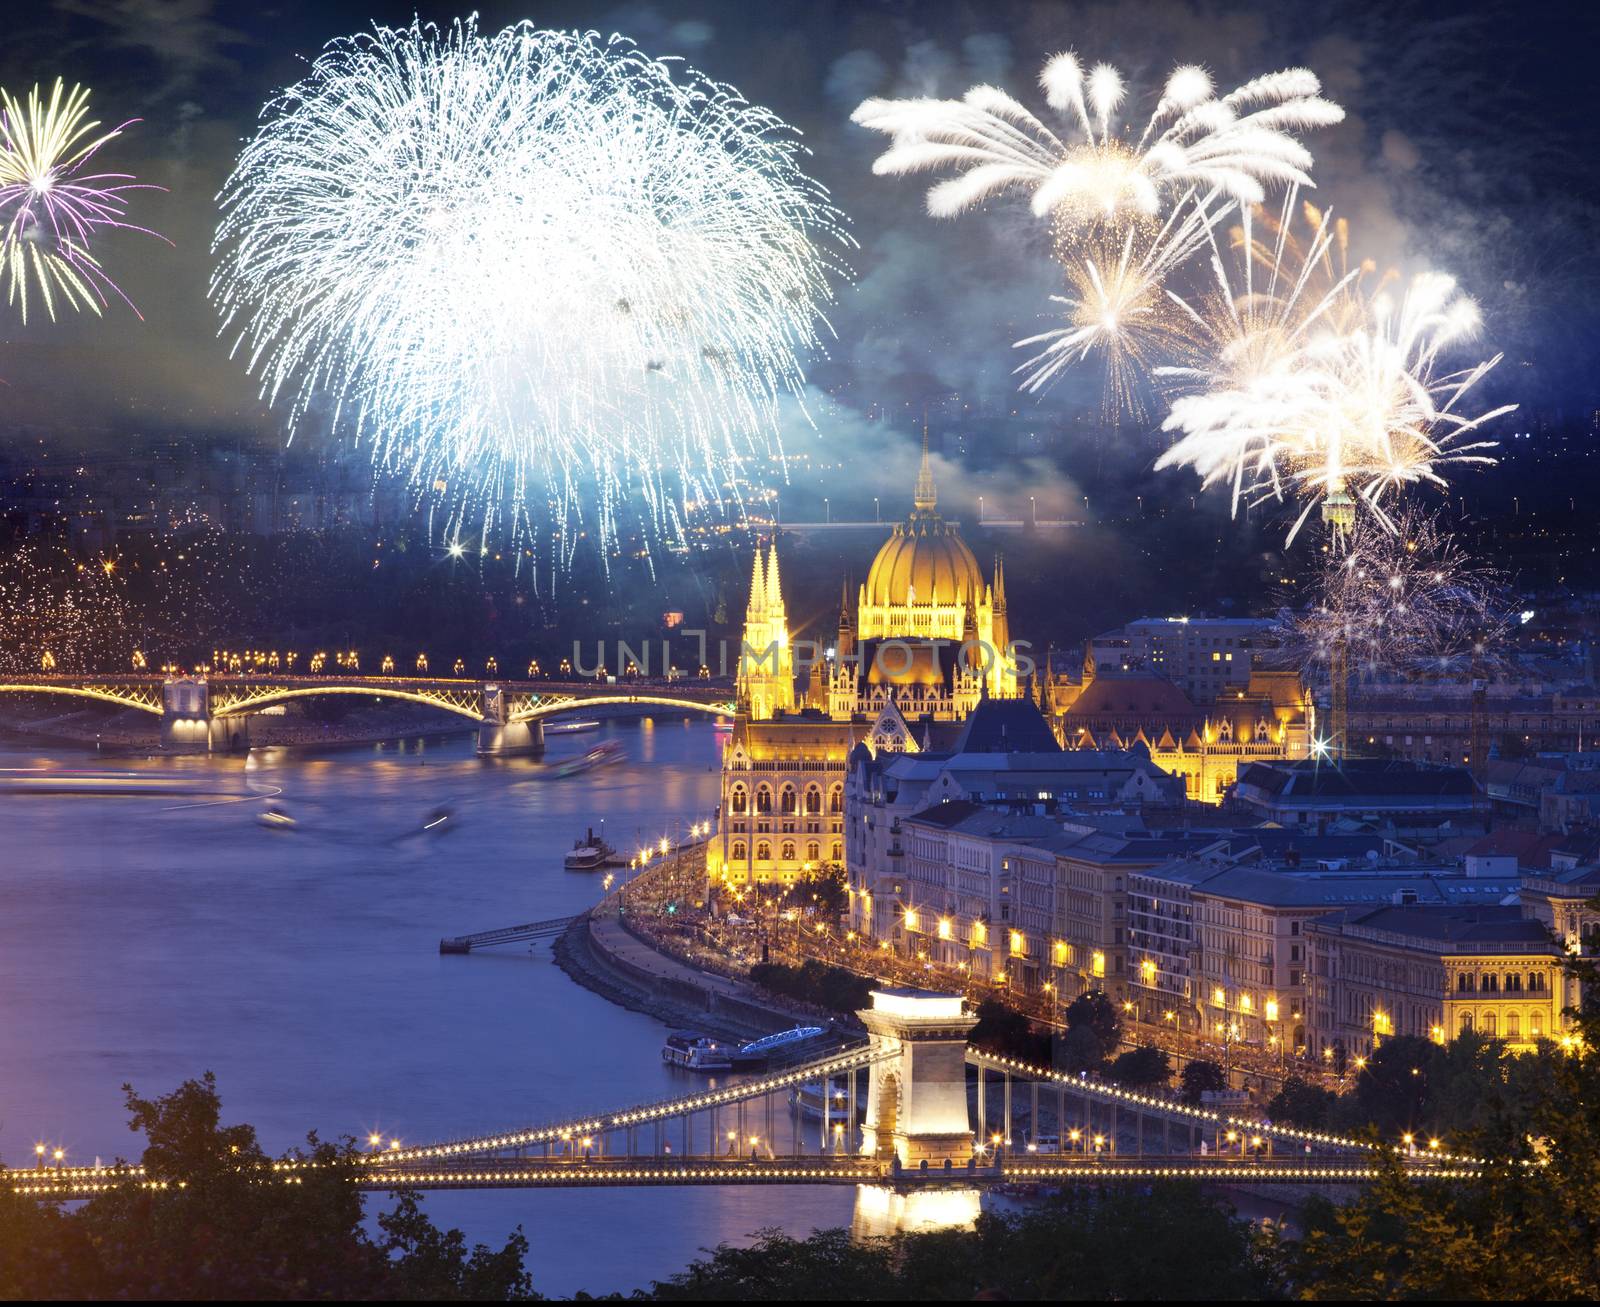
x,y
917,1096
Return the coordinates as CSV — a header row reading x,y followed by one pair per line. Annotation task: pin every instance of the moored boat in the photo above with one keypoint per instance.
x,y
696,1052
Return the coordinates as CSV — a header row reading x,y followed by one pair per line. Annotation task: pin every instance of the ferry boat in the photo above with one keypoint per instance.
x,y
759,1052
589,854
602,755
570,728
696,1052
276,818
807,1100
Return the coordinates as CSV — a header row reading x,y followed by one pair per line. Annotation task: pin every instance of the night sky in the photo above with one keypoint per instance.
x,y
1469,146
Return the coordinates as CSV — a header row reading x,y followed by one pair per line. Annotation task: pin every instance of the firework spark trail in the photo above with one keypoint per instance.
x,y
1127,210
51,208
1401,601
1120,307
1314,386
527,264
1234,145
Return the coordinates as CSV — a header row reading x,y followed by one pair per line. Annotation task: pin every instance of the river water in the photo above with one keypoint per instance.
x,y
149,938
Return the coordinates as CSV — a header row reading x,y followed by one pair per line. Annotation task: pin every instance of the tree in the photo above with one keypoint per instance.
x,y
1100,1015
1523,1225
1201,1077
1189,1246
1300,1103
1141,1067
227,1227
1081,1051
1005,1031
1391,1091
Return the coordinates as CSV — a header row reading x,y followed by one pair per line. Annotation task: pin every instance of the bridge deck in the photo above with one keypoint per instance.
x,y
590,1173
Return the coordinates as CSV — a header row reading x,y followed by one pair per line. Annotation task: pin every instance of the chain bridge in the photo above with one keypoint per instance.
x,y
917,1128
203,713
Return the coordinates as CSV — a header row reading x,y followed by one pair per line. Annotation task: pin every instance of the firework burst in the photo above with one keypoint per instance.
x,y
1234,145
1399,602
536,271
1119,307
53,208
1315,385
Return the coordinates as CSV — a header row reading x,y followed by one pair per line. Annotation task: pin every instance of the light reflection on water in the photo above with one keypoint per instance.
x,y
151,938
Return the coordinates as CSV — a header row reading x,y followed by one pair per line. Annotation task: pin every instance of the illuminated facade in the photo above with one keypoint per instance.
x,y
1436,973
928,640
1267,718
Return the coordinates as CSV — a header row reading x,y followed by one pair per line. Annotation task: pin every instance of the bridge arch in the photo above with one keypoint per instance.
x,y
465,704
537,711
128,699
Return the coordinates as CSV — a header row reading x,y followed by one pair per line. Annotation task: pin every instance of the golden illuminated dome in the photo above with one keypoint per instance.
x,y
925,559
922,560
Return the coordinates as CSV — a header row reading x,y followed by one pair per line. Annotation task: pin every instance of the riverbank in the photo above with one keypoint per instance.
x,y
608,951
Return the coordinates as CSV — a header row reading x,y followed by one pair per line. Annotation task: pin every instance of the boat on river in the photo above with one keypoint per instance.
x,y
602,755
808,1100
591,853
780,1047
570,728
696,1052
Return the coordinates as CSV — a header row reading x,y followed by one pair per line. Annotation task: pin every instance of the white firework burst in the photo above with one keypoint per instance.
x,y
1234,145
538,271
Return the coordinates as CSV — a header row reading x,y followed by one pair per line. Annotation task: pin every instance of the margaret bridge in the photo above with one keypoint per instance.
x,y
201,713
920,1131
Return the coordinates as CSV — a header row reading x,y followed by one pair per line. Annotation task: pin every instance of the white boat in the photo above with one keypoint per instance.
x,y
696,1052
276,818
807,1100
570,728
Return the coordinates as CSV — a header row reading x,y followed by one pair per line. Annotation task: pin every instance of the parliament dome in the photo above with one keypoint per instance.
x,y
925,559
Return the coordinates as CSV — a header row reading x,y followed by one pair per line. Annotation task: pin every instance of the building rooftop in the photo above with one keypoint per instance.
x,y
1453,924
1006,726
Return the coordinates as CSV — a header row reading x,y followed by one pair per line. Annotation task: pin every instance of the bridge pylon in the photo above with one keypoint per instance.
x,y
187,725
917,1098
498,735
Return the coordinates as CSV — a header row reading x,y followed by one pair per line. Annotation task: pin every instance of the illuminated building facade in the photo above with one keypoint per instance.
x,y
1266,718
927,642
1437,973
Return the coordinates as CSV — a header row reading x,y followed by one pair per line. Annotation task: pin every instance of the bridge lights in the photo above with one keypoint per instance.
x,y
374,1140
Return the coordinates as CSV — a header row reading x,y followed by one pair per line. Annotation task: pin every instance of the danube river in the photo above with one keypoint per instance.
x,y
149,938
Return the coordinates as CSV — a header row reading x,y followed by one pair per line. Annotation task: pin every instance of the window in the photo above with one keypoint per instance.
x,y
1490,1026
836,799
738,800
764,799
1463,982
813,852
1513,1025
786,800
739,848
1466,1023
788,850
1535,1025
1491,985
813,801
763,852
838,851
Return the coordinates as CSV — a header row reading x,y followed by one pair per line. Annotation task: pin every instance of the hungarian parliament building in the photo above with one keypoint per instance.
x,y
924,643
